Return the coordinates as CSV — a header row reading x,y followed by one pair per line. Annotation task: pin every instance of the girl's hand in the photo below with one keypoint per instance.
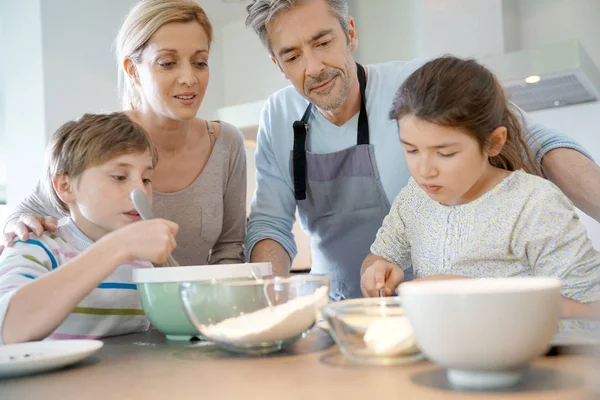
x,y
380,275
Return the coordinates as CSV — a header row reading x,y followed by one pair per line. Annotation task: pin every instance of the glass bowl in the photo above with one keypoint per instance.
x,y
159,292
254,316
372,331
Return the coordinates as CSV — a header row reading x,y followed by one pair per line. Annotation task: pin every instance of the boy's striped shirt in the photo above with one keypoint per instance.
x,y
113,308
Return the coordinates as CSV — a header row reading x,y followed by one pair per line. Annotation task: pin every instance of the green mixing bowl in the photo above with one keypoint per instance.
x,y
159,292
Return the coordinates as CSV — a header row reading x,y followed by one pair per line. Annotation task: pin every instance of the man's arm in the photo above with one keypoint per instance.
x,y
270,250
273,213
566,163
577,176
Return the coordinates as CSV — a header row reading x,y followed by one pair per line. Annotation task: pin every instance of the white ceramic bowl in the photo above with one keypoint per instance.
x,y
485,331
159,292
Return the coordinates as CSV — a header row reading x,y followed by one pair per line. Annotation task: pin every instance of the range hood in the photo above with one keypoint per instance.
x,y
563,74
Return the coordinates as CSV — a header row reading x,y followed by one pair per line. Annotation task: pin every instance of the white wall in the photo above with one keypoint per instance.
x,y
388,30
63,67
80,71
215,96
24,108
3,147
251,75
464,28
547,21
511,25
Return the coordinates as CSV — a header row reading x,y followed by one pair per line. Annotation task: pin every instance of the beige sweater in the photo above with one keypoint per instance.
x,y
211,212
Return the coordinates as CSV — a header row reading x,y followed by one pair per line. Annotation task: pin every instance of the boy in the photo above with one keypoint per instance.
x,y
77,282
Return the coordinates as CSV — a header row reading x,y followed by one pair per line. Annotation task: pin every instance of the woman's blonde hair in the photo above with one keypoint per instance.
x,y
142,22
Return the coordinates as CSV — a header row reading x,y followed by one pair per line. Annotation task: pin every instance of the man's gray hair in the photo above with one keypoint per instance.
x,y
261,12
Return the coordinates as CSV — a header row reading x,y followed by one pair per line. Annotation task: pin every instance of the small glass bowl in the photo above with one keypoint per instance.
x,y
254,316
372,331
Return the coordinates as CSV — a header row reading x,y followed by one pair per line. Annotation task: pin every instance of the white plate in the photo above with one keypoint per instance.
x,y
33,357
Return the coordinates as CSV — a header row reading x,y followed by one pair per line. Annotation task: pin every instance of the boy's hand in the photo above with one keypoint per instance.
x,y
380,274
151,240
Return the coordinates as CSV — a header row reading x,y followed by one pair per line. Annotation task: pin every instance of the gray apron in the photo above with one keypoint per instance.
x,y
341,202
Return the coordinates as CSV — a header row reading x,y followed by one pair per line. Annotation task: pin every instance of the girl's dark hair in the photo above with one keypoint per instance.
x,y
457,93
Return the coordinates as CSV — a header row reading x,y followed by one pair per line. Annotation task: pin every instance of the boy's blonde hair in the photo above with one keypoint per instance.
x,y
142,22
92,140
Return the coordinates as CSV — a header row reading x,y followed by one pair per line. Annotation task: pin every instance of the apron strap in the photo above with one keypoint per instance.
x,y
362,135
301,129
299,154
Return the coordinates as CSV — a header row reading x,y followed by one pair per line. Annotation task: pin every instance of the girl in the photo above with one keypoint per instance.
x,y
475,205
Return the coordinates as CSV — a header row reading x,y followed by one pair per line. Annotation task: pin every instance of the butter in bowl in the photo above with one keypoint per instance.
x,y
372,331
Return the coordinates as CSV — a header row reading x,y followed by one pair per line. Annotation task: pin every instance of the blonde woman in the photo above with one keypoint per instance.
x,y
199,182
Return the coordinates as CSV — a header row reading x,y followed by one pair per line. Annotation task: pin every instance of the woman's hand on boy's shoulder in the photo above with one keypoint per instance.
x,y
20,228
380,275
151,240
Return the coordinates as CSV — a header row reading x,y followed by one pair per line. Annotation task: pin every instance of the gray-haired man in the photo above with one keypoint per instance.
x,y
327,146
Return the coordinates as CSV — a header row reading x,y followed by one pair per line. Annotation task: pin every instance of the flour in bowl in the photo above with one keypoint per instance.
x,y
280,322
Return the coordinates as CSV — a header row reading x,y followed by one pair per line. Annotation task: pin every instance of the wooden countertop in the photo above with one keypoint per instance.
x,y
147,366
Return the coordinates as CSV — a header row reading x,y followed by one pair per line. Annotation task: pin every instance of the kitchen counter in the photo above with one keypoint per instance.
x,y
147,366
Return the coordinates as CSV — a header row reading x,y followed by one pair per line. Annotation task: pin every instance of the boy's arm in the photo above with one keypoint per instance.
x,y
40,300
39,307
